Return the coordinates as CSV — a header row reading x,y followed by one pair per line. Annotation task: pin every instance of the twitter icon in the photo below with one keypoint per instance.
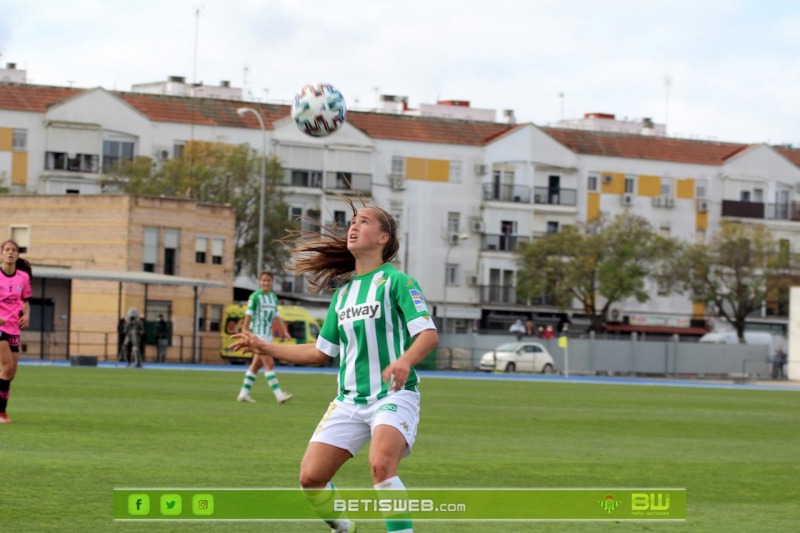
x,y
170,504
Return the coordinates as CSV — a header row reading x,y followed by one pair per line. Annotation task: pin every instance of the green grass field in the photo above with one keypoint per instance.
x,y
78,432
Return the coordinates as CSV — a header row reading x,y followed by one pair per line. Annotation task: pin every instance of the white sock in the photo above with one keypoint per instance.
x,y
322,502
272,380
400,523
249,380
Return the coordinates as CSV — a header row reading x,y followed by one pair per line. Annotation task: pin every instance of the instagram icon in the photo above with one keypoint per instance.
x,y
203,504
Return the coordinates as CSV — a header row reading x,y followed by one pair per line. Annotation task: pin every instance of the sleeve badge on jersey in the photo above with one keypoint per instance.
x,y
419,301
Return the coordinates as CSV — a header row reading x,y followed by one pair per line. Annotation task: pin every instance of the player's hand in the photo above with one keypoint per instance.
x,y
396,374
23,321
245,342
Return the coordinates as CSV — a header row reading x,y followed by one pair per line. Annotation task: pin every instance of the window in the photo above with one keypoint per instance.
x,y
217,249
20,140
21,235
214,317
398,166
200,249
177,149
666,186
171,237
340,219
150,252
453,222
744,196
552,227
114,152
344,180
701,189
295,213
451,274
455,171
630,184
71,163
306,178
592,183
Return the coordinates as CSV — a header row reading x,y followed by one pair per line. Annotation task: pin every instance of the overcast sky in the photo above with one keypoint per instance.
x,y
733,65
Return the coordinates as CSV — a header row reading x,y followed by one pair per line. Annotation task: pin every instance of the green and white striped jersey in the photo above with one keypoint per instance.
x,y
262,309
371,322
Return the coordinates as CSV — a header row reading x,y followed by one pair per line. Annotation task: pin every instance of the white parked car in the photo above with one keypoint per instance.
x,y
518,356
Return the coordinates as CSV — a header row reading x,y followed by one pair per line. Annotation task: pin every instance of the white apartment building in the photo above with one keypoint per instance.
x,y
465,192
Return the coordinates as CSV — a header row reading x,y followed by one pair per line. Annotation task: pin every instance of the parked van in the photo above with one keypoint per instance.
x,y
750,337
303,328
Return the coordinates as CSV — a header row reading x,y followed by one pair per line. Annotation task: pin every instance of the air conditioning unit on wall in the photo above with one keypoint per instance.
x,y
472,280
702,206
627,199
398,183
480,169
478,226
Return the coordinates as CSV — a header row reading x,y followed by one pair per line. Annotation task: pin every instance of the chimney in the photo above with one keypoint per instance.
x,y
225,83
11,66
177,79
508,116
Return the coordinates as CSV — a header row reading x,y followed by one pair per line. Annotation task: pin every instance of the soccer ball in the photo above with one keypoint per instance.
x,y
319,109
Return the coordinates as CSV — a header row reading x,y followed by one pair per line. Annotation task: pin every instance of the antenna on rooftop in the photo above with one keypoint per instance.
x,y
667,85
196,34
561,96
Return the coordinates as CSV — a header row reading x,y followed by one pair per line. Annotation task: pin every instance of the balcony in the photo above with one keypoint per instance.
x,y
501,243
507,193
548,196
507,294
762,211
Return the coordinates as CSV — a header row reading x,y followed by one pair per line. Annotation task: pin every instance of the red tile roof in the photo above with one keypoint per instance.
x,y
631,146
216,112
792,154
426,129
33,98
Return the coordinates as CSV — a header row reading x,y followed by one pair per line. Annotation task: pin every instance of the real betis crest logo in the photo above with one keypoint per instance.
x,y
379,281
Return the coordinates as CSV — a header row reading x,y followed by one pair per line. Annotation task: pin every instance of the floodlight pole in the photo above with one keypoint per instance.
x,y
262,199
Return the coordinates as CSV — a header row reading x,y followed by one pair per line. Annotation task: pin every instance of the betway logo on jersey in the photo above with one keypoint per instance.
x,y
360,312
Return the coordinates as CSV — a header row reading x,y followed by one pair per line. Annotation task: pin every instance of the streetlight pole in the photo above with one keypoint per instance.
x,y
450,246
241,112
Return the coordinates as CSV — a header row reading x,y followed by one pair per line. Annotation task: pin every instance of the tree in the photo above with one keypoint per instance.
x,y
597,264
735,271
219,173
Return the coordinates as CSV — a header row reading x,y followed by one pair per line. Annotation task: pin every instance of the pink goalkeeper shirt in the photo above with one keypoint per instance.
x,y
14,290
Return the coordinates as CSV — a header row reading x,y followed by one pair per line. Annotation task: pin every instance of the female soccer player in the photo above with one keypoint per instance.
x,y
15,290
262,312
379,325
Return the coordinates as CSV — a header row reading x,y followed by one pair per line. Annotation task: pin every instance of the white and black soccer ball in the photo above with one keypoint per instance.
x,y
319,109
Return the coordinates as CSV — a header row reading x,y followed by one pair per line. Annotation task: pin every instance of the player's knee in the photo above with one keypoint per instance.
x,y
312,480
382,469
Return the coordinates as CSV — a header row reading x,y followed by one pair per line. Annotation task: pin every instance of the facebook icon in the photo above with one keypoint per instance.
x,y
138,504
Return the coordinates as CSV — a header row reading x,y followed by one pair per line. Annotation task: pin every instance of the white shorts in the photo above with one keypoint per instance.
x,y
349,426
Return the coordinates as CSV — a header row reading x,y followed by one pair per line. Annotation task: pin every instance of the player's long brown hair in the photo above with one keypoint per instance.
x,y
324,254
21,264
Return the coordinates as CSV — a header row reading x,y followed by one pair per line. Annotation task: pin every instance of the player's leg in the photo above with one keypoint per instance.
x,y
249,380
9,357
272,379
393,432
338,437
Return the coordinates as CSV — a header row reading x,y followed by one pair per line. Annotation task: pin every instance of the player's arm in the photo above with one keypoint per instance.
x,y
246,324
299,354
283,329
24,318
423,344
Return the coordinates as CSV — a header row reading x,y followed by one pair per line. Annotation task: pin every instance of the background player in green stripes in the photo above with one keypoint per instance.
x,y
261,315
379,325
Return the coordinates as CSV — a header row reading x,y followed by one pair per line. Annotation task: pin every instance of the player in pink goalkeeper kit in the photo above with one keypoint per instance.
x,y
15,291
